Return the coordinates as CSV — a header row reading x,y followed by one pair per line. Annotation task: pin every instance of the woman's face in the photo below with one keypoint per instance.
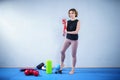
x,y
72,14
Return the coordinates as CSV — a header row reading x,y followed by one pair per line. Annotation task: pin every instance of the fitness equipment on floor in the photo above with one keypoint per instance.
x,y
40,66
48,66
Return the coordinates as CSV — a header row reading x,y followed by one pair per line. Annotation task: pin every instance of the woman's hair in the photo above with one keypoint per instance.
x,y
74,10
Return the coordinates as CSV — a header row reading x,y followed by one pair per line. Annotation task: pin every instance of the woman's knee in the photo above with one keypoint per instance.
x,y
62,52
74,55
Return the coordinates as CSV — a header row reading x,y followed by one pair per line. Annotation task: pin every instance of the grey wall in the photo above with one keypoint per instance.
x,y
31,32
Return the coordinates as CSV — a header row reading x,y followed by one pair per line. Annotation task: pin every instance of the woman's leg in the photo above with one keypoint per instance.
x,y
74,51
65,46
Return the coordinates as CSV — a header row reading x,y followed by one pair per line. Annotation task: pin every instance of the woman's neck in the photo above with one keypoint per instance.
x,y
72,19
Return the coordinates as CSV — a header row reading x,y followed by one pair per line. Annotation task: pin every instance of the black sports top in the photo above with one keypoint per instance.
x,y
71,26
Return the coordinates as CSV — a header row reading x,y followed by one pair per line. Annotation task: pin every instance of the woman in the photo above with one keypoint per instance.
x,y
73,27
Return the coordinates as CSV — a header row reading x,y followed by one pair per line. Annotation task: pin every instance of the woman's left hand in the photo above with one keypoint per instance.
x,y
65,31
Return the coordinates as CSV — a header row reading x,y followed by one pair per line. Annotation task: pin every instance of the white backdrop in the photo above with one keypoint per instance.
x,y
31,32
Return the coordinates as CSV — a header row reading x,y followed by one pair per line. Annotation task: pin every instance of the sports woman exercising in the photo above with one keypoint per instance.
x,y
73,27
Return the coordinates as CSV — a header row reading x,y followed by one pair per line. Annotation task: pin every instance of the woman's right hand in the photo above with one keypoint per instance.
x,y
64,24
64,33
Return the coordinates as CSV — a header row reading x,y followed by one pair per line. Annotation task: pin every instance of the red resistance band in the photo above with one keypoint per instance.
x,y
64,23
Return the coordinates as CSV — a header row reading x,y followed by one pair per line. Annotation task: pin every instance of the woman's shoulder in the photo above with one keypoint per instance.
x,y
77,20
